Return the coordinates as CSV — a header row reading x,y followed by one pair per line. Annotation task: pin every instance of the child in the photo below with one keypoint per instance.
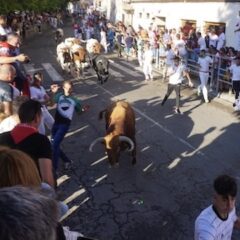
x,y
66,105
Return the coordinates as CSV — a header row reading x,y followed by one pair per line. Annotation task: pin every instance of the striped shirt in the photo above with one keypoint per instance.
x,y
208,226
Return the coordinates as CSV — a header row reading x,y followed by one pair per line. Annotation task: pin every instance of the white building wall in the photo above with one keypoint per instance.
x,y
201,12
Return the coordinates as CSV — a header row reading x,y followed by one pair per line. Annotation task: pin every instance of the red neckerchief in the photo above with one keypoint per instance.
x,y
22,131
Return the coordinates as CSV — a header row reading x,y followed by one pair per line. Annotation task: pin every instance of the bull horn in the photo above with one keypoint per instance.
x,y
128,140
100,139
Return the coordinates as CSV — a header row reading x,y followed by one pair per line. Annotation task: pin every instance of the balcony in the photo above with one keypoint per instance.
x,y
127,7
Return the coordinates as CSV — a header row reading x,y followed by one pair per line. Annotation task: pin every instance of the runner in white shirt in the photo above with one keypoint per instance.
x,y
234,70
176,77
216,222
204,63
38,93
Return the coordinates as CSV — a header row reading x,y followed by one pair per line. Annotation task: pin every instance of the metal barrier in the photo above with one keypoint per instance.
x,y
219,79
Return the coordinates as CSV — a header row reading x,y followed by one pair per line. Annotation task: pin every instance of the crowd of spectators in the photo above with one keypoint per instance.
x,y
23,116
24,113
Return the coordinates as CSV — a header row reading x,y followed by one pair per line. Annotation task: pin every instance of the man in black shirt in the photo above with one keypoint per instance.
x,y
26,138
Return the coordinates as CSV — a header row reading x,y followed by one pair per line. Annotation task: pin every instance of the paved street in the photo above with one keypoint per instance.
x,y
178,156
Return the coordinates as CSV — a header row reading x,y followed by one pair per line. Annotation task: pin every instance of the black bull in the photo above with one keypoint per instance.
x,y
120,131
101,66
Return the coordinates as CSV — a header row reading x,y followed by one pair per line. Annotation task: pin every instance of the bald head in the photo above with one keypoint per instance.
x,y
7,72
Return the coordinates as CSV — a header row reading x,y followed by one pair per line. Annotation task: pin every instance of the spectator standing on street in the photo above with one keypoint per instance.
x,y
234,70
204,62
169,62
103,41
148,62
176,75
217,220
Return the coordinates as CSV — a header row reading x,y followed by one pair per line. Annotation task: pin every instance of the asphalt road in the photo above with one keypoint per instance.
x,y
178,156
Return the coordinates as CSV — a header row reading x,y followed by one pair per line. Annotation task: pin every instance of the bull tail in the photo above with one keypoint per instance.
x,y
100,116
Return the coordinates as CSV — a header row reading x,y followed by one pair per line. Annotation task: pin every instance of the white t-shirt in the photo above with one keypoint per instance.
x,y
204,63
235,70
180,47
3,31
38,94
213,39
209,226
148,56
221,41
176,74
8,124
202,43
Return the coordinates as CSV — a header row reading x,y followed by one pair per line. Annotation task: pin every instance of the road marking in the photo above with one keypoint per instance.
x,y
166,130
127,70
115,73
29,68
54,75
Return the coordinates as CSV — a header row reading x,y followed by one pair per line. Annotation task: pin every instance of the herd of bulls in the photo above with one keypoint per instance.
x,y
75,55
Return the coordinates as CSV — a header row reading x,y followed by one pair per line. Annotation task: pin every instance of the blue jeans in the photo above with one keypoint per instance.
x,y
58,133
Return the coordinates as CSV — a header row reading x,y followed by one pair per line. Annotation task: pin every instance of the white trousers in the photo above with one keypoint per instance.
x,y
147,69
204,81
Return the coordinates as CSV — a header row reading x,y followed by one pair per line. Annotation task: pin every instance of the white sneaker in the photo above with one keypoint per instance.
x,y
71,235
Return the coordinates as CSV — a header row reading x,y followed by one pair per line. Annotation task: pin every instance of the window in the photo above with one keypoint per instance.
x,y
214,26
148,15
140,15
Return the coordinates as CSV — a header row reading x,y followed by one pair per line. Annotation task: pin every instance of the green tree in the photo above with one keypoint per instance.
x,y
35,5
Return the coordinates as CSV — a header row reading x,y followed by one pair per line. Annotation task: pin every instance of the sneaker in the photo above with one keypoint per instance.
x,y
71,235
177,111
207,101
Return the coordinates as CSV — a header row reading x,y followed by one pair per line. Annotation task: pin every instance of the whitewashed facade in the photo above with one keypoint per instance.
x,y
172,14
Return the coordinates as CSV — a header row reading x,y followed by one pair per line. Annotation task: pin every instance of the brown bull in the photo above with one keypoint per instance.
x,y
79,60
120,131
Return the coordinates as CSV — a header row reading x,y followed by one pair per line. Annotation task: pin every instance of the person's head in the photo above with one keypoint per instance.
x,y
202,53
26,215
199,34
37,79
237,61
176,60
225,192
178,36
67,87
13,39
17,102
3,20
169,46
17,168
30,112
7,72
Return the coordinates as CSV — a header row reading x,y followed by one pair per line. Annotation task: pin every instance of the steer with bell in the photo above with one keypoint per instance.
x,y
120,131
